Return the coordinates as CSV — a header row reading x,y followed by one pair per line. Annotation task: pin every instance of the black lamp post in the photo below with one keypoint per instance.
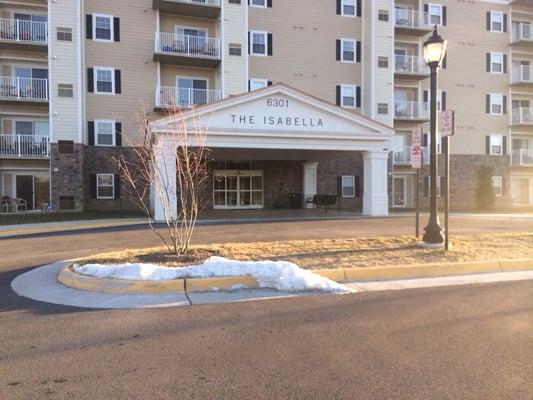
x,y
434,52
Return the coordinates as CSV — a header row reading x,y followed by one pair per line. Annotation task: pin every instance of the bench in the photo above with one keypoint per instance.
x,y
324,200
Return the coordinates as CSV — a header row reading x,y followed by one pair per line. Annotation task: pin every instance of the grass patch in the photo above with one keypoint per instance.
x,y
58,216
346,253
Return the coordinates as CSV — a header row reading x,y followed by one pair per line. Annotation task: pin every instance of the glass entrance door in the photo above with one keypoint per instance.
x,y
34,189
238,189
25,189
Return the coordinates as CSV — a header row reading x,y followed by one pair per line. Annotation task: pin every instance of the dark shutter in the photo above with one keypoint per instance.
x,y
426,186
338,50
249,41
358,96
269,3
425,140
339,9
90,80
269,83
339,186
93,186
504,105
116,29
118,82
505,63
487,104
116,181
443,101
89,26
338,95
487,144
249,85
358,51
118,134
488,21
487,66
504,145
269,36
90,133
444,16
357,184
505,22
426,8
359,8
426,96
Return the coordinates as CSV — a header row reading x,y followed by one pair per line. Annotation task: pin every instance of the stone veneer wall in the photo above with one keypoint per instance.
x,y
279,179
69,178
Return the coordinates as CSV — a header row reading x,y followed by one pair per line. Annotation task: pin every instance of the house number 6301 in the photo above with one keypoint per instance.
x,y
277,103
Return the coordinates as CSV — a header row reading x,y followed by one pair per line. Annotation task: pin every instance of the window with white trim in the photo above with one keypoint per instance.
x,y
496,145
496,62
259,43
383,62
435,14
383,108
105,186
496,103
235,49
64,34
104,80
496,21
258,3
348,48
257,84
497,184
383,15
348,8
348,185
103,27
348,96
65,90
104,133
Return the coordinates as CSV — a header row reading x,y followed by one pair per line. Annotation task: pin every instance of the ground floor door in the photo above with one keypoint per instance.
x,y
24,188
33,188
521,191
237,189
402,191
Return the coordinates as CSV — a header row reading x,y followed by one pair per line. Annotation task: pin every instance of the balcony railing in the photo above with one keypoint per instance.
x,y
409,18
521,74
411,110
168,96
522,158
522,31
522,116
404,64
24,146
403,157
17,30
23,89
200,2
187,45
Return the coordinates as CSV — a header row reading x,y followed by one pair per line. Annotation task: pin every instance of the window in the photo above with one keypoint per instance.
x,y
235,49
383,15
348,8
259,43
104,133
383,108
496,62
348,186
496,21
103,27
65,90
383,62
258,3
497,185
258,84
105,186
64,34
104,80
348,96
435,14
496,145
234,1
348,50
496,104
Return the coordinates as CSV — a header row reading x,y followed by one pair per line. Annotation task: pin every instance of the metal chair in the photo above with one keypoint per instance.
x,y
19,204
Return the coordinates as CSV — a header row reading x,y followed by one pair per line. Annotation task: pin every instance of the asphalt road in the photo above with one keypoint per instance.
x,y
468,342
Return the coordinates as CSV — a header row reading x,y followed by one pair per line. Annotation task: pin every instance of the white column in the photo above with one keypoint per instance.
x,y
375,190
163,186
309,188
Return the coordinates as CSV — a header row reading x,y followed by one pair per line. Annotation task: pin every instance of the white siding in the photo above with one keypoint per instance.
x,y
234,69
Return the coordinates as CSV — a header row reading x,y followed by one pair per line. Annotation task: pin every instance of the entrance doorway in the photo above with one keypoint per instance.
x,y
236,189
34,189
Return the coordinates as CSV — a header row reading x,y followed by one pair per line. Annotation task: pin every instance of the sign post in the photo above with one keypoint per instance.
x,y
447,129
416,163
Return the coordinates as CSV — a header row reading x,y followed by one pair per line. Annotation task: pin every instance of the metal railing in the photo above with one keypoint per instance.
x,y
522,31
18,30
411,110
27,146
168,96
522,116
208,2
405,64
521,74
522,157
403,157
15,88
187,45
409,18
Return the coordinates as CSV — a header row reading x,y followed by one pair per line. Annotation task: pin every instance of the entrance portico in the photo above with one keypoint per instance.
x,y
281,137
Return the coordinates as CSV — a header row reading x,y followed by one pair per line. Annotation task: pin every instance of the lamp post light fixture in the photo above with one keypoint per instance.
x,y
434,52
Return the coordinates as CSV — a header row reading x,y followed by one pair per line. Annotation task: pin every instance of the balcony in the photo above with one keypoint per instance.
x,y
522,158
522,34
24,146
522,116
192,8
410,67
521,75
411,111
411,22
194,51
168,96
16,90
23,35
403,157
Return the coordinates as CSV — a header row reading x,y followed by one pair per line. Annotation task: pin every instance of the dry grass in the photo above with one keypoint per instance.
x,y
358,252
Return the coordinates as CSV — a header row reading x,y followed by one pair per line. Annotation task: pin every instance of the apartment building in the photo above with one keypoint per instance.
x,y
301,97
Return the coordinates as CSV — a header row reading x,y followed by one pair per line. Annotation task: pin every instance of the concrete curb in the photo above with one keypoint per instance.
x,y
342,275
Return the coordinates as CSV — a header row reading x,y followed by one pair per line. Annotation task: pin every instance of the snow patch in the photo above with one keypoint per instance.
x,y
280,275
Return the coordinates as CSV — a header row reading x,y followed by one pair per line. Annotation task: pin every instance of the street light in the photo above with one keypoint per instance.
x,y
434,52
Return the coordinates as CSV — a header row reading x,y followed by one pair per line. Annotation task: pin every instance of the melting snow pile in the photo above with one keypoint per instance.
x,y
280,275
